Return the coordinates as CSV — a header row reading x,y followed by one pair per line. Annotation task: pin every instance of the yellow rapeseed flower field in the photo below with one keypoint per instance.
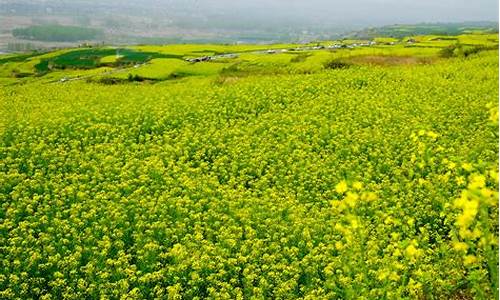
x,y
365,181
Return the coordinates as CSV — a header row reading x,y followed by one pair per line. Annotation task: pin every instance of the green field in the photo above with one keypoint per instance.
x,y
427,29
339,173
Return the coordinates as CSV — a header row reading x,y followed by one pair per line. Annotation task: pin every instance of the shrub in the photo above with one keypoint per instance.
x,y
336,64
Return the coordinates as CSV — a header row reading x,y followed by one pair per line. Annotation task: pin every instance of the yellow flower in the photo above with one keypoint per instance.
x,y
476,233
357,185
467,167
394,276
477,181
329,270
397,253
469,260
412,251
460,180
468,214
341,187
487,193
383,274
369,196
351,199
494,175
339,245
432,135
354,223
460,246
414,286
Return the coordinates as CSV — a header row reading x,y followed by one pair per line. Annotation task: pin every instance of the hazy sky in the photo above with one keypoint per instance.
x,y
385,11
317,12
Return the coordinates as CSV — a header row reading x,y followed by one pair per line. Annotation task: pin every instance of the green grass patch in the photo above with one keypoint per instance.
x,y
92,58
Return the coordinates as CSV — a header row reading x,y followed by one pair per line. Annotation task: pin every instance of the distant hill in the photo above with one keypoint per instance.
x,y
401,31
57,33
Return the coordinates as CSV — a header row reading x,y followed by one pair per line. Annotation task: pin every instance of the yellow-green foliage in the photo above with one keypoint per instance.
x,y
352,41
385,40
109,59
249,60
356,183
209,49
479,39
156,68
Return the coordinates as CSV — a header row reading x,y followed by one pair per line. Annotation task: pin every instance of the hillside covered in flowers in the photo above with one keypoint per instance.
x,y
356,181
